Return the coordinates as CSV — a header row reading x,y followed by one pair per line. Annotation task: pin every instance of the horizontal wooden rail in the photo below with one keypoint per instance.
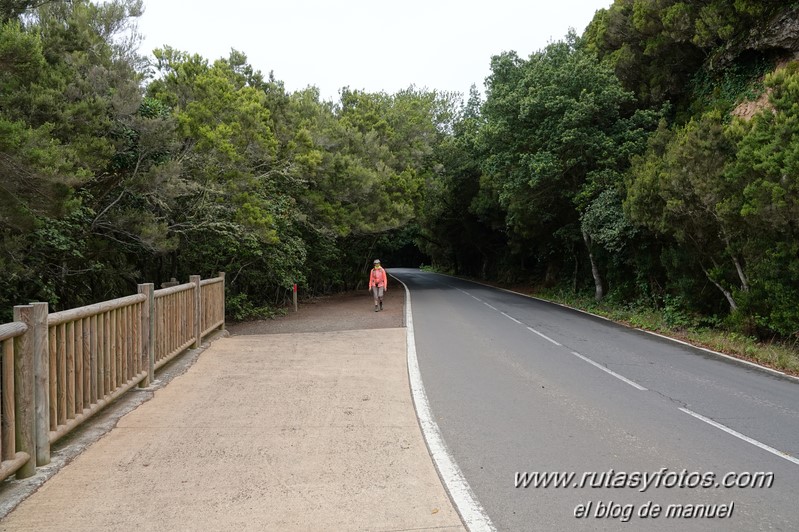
x,y
12,465
11,330
57,318
163,292
58,370
63,430
172,354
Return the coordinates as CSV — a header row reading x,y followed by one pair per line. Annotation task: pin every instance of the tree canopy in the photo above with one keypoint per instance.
x,y
651,160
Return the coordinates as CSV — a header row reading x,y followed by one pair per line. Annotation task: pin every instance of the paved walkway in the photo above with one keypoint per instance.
x,y
305,431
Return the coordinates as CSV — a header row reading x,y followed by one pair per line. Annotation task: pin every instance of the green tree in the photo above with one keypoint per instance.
x,y
71,81
766,166
225,197
680,189
559,130
657,47
452,232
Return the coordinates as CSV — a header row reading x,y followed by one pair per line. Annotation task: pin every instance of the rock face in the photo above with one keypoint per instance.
x,y
781,33
747,109
778,38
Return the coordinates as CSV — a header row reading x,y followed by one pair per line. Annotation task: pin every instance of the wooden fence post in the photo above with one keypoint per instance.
x,y
198,307
24,402
147,332
222,275
41,370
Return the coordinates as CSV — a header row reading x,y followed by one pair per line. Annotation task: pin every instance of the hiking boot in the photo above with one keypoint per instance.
x,y
376,309
381,305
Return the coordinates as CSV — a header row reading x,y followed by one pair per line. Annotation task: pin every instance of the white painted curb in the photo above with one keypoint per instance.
x,y
471,512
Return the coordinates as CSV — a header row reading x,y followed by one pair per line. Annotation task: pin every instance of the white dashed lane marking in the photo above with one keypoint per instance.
x,y
743,437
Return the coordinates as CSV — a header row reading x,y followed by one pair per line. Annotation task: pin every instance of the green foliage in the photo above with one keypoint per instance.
x,y
210,166
679,186
765,167
451,231
674,314
559,131
239,307
605,221
767,157
724,189
676,322
700,226
658,47
722,90
116,170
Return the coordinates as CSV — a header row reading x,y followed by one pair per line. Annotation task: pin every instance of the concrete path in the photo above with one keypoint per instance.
x,y
311,431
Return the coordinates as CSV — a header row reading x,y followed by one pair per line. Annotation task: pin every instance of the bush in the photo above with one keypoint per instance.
x,y
240,308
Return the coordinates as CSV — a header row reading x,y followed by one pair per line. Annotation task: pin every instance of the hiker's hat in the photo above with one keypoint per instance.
x,y
377,261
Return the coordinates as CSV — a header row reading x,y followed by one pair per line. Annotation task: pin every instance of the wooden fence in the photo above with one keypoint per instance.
x,y
57,370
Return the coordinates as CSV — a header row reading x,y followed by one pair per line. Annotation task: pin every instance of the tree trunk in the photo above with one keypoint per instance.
x,y
727,293
174,266
741,274
551,275
737,263
600,291
574,275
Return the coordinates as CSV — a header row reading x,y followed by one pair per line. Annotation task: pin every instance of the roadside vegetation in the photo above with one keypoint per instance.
x,y
648,169
673,322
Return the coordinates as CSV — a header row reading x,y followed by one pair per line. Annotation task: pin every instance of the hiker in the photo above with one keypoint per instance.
x,y
378,284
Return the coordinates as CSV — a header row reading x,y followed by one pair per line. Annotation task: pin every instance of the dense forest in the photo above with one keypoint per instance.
x,y
652,161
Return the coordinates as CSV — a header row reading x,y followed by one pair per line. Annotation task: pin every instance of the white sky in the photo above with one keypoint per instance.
x,y
370,45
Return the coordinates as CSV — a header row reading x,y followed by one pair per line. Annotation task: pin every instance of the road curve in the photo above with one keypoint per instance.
x,y
517,385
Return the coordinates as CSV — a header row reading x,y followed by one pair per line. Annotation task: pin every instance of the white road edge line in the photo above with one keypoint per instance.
x,y
610,372
737,434
734,359
472,513
544,336
717,353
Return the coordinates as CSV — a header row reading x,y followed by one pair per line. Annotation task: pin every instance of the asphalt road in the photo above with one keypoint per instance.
x,y
518,385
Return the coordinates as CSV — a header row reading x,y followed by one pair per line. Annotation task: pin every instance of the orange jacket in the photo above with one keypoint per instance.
x,y
378,277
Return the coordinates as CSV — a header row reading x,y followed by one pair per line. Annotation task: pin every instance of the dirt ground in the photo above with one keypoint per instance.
x,y
340,312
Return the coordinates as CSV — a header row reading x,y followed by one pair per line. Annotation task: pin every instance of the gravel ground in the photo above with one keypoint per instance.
x,y
340,312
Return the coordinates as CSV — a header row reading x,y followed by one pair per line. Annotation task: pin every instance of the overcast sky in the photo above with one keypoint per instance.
x,y
365,44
